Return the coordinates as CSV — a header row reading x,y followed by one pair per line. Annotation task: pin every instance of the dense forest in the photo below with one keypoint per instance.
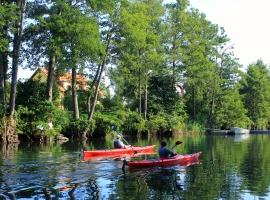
x,y
165,69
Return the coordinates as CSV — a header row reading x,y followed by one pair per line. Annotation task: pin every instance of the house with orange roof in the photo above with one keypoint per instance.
x,y
63,82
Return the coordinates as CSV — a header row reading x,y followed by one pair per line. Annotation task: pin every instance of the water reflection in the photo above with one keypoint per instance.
x,y
241,138
175,177
229,170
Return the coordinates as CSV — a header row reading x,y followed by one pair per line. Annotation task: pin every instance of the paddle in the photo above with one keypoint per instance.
x,y
176,143
114,128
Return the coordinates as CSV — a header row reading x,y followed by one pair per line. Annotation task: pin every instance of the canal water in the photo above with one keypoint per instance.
x,y
230,167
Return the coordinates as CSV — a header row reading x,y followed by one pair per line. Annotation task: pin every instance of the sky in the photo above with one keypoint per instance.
x,y
246,23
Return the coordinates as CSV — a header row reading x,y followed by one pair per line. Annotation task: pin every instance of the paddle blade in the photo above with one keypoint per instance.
x,y
113,127
177,143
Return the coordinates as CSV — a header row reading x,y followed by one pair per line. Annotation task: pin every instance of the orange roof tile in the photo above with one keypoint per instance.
x,y
61,88
67,77
44,70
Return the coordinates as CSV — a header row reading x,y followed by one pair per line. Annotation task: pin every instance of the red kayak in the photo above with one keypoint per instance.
x,y
119,151
177,159
126,156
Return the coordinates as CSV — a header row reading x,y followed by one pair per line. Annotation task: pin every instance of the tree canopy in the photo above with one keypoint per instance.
x,y
144,50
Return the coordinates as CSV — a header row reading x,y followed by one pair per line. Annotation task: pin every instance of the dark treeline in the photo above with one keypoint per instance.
x,y
168,70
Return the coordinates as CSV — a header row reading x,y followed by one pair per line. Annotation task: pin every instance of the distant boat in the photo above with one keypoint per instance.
x,y
239,131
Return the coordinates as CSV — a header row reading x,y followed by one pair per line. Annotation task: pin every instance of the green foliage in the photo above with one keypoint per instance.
x,y
99,107
132,123
158,123
31,121
82,100
103,124
115,103
34,112
230,111
77,127
191,126
3,118
256,91
163,122
150,50
31,92
163,97
8,14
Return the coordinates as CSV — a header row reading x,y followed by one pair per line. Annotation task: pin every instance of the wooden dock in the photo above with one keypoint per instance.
x,y
260,131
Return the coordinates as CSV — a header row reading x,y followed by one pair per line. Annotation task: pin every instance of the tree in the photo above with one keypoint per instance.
x,y
31,92
226,108
108,21
82,43
8,14
139,49
188,40
256,91
42,39
12,28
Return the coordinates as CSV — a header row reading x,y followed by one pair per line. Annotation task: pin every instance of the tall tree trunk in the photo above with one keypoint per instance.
x,y
4,69
90,93
140,95
16,54
212,106
50,78
17,41
145,102
2,80
74,94
109,37
90,116
193,103
101,69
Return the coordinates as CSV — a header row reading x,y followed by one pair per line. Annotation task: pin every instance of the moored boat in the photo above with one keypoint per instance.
x,y
239,131
119,151
177,159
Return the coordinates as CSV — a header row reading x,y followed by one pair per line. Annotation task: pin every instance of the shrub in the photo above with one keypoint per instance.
x,y
78,128
103,124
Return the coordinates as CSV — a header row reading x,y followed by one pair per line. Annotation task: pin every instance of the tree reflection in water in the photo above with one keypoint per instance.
x,y
161,178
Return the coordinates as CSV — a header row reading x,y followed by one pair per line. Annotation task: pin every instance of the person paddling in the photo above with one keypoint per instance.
x,y
164,152
118,143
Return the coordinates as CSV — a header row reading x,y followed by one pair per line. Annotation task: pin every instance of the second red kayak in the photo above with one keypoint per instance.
x,y
177,159
125,156
128,150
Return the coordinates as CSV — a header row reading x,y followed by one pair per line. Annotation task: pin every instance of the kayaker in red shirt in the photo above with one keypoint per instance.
x,y
118,143
163,151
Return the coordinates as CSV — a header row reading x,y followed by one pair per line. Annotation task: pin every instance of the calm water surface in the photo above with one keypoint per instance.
x,y
231,168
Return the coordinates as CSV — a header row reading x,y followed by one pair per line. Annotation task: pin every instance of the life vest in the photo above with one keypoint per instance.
x,y
117,144
162,153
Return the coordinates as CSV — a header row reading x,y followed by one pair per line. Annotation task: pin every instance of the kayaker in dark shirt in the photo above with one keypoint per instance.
x,y
118,143
163,151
